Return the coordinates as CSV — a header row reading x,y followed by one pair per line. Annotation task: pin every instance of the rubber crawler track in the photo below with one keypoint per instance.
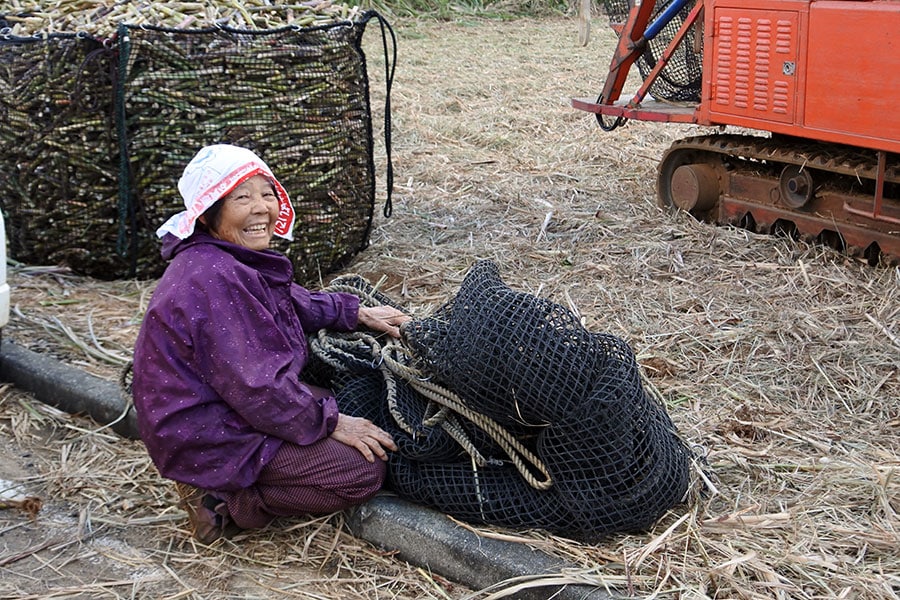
x,y
843,160
843,168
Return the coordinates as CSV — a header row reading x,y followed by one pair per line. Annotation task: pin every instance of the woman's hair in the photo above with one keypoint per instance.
x,y
212,217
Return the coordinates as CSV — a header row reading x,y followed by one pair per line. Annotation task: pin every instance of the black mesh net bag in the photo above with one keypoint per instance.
x,y
681,79
97,132
507,411
58,172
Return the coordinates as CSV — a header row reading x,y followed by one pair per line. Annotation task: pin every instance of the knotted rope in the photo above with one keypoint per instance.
x,y
342,351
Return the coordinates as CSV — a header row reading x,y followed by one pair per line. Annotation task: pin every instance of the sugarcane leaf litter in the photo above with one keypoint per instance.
x,y
104,104
777,357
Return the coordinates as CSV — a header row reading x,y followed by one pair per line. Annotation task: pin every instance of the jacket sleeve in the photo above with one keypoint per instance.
x,y
250,358
325,310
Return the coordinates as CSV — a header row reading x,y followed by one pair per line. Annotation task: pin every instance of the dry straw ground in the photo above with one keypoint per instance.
x,y
777,360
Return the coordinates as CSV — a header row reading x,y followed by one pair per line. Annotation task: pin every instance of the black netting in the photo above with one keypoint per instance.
x,y
680,80
494,495
58,146
99,132
571,398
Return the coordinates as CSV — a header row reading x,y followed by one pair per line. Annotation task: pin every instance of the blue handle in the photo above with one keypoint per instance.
x,y
664,17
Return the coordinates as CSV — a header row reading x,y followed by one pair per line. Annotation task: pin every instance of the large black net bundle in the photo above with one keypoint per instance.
x,y
582,450
97,132
680,80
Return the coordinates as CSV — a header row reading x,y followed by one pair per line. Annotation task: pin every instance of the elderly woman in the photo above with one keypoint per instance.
x,y
218,364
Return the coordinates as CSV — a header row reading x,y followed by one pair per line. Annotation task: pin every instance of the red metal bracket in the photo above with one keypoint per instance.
x,y
628,50
667,54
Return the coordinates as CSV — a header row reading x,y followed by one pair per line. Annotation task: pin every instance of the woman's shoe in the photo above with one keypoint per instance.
x,y
208,515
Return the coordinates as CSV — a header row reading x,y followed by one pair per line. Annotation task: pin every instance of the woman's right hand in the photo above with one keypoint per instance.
x,y
383,318
363,435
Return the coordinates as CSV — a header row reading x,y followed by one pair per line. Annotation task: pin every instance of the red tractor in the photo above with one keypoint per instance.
x,y
808,92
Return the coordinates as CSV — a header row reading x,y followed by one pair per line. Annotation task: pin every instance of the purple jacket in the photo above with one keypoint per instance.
x,y
217,362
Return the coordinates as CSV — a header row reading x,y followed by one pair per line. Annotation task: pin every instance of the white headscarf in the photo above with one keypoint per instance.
x,y
212,174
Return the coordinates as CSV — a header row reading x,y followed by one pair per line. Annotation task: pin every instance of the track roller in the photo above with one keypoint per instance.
x,y
689,180
796,186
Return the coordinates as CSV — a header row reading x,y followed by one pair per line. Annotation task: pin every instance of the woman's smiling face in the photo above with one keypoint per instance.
x,y
249,214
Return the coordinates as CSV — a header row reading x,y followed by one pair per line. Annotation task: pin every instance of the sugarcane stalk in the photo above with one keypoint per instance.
x,y
99,18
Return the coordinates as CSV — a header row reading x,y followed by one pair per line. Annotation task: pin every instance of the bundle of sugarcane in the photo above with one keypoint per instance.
x,y
311,123
96,130
99,18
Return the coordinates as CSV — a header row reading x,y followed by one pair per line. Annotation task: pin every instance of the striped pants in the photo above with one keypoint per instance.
x,y
318,479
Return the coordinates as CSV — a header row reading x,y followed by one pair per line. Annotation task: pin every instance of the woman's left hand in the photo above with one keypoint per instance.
x,y
383,318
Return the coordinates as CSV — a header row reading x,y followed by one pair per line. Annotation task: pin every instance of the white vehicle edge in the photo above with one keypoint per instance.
x,y
4,286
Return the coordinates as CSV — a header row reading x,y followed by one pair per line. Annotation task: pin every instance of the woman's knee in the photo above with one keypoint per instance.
x,y
367,481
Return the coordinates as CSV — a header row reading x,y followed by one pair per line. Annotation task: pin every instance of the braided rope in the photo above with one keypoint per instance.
x,y
455,430
396,414
388,359
516,451
367,298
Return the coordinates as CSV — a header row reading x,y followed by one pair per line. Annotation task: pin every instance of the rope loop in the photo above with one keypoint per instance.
x,y
395,360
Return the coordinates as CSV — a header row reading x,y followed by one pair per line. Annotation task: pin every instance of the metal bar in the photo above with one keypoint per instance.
x,y
663,19
667,54
875,214
879,183
648,111
631,45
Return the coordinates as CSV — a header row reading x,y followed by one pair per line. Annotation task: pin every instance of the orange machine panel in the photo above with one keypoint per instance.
x,y
754,64
853,72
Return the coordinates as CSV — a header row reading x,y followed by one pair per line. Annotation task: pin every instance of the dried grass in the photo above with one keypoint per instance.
x,y
777,360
